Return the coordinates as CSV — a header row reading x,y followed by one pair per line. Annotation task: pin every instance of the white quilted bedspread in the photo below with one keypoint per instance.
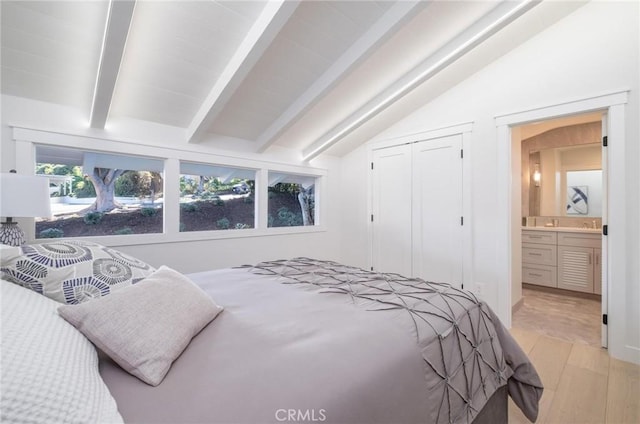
x,y
49,369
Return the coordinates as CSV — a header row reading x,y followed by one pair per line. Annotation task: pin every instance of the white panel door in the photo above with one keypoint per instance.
x,y
437,210
391,226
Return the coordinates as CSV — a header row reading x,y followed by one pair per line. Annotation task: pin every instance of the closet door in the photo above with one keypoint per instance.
x,y
437,210
391,226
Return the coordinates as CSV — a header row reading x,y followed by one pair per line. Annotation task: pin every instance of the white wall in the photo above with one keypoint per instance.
x,y
355,245
196,256
185,256
591,52
593,181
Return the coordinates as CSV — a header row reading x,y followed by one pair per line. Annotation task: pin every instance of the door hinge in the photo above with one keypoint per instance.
x,y
461,153
605,230
605,141
371,217
605,319
462,220
371,165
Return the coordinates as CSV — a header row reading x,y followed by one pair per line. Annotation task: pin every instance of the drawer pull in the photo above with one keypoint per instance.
x,y
533,274
534,254
535,237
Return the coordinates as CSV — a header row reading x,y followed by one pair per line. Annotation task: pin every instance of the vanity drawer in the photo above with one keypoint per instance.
x,y
542,237
540,254
580,240
542,275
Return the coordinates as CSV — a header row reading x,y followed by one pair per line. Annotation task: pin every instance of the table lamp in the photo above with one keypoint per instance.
x,y
21,196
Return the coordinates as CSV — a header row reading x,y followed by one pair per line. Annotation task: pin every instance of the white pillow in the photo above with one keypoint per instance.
x,y
144,328
72,271
49,370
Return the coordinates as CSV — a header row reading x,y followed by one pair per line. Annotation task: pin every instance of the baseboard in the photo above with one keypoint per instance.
x,y
517,306
562,291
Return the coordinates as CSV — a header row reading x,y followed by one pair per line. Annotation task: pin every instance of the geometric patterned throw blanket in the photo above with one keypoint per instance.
x,y
459,337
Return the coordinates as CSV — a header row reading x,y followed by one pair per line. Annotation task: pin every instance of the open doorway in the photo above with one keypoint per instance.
x,y
615,293
563,197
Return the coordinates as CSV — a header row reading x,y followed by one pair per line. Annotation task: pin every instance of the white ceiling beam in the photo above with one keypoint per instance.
x,y
113,44
481,30
274,16
386,26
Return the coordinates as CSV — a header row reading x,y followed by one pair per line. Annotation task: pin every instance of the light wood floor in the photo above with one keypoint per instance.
x,y
582,383
561,315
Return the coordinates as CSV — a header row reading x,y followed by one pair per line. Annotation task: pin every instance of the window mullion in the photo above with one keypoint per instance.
x,y
171,196
262,199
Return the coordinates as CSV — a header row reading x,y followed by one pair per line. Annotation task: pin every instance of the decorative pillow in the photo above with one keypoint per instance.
x,y
49,371
145,327
72,271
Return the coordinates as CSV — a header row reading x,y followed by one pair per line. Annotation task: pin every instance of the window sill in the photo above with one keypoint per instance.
x,y
162,238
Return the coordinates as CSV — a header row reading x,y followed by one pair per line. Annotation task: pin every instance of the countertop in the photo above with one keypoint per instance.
x,y
566,229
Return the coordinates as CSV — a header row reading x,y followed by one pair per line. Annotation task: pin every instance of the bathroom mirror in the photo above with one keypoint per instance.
x,y
566,181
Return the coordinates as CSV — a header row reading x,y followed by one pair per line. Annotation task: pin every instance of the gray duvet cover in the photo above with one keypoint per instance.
x,y
312,341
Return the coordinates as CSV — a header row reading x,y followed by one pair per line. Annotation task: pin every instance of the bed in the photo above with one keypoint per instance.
x,y
305,340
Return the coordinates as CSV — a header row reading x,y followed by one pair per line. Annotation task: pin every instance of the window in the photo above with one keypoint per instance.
x,y
216,197
291,200
97,194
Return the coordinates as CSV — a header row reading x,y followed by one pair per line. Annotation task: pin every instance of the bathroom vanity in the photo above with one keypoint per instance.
x,y
565,258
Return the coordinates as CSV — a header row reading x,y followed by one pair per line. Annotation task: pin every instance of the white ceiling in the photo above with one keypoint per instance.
x,y
315,76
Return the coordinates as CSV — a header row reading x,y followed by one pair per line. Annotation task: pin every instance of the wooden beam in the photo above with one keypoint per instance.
x,y
262,33
481,30
115,37
386,26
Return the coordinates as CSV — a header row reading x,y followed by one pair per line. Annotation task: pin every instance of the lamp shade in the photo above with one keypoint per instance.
x,y
24,196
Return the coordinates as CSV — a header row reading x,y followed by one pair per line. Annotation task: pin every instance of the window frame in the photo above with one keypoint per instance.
x,y
93,158
26,140
316,215
217,165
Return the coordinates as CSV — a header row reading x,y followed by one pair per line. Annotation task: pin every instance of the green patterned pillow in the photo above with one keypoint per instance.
x,y
72,271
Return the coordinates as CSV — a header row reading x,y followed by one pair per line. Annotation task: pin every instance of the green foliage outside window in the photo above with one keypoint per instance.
x,y
223,223
129,184
51,233
93,218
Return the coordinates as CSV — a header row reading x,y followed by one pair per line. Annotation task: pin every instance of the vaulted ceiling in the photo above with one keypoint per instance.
x,y
315,76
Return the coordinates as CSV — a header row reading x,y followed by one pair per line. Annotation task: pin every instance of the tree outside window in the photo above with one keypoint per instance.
x,y
94,194
291,200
